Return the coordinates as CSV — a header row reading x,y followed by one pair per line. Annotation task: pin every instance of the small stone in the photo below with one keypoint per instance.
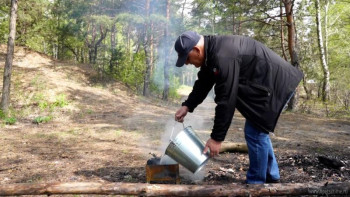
x,y
128,177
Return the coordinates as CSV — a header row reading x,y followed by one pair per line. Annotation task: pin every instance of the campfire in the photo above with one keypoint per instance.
x,y
161,173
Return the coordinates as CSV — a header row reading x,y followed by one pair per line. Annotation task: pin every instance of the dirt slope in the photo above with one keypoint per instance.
x,y
105,133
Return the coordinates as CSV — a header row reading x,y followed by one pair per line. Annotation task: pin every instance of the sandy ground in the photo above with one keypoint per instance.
x,y
106,133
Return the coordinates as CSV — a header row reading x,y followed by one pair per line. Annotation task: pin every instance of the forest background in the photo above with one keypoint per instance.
x,y
132,40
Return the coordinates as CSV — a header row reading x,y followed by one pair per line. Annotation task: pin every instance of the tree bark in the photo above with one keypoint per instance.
x,y
233,24
234,147
143,189
90,44
183,10
147,49
151,45
326,30
113,60
288,4
306,89
326,87
165,53
282,33
5,99
98,43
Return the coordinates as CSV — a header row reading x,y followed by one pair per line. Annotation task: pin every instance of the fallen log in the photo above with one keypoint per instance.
x,y
143,189
234,147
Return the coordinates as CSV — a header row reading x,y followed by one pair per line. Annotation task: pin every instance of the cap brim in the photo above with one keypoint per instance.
x,y
181,60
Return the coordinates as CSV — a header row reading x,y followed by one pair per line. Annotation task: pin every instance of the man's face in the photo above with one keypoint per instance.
x,y
195,58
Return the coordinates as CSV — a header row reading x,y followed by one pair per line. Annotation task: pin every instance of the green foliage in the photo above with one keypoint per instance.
x,y
4,20
69,30
2,114
7,119
61,101
42,119
129,18
131,71
43,103
40,100
10,120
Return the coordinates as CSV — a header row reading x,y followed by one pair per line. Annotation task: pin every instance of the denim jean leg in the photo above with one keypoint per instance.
x,y
272,167
258,144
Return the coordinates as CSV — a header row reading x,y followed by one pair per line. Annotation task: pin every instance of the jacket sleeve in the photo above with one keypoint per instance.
x,y
200,90
226,89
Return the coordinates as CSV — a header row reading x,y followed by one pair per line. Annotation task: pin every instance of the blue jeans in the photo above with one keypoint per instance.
x,y
262,162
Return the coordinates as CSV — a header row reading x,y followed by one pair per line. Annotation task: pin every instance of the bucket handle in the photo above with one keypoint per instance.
x,y
172,131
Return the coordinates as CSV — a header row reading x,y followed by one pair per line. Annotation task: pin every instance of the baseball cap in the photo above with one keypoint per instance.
x,y
184,44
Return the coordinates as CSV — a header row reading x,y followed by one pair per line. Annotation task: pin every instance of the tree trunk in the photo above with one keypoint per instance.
x,y
5,99
98,43
165,53
90,44
146,47
288,4
183,10
233,24
144,189
325,88
151,43
113,60
306,89
213,18
82,55
282,33
129,43
326,30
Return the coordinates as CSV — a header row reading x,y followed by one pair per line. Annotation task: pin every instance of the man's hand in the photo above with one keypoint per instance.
x,y
181,113
213,146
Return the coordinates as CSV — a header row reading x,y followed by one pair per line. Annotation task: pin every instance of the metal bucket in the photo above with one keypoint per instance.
x,y
187,150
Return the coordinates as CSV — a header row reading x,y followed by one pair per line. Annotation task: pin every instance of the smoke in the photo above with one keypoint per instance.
x,y
197,177
172,128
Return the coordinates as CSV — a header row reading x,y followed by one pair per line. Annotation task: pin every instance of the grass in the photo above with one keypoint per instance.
x,y
89,111
50,136
61,101
73,132
118,133
37,83
10,120
6,119
42,119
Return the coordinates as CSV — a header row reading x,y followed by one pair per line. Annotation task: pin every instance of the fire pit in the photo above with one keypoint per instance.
x,y
156,172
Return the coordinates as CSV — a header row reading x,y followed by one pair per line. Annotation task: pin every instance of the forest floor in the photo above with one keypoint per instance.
x,y
106,133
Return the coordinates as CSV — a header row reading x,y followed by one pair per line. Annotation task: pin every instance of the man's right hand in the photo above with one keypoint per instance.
x,y
181,113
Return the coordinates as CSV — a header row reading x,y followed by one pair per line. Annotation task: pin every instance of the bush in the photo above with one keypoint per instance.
x,y
10,120
42,119
2,114
60,101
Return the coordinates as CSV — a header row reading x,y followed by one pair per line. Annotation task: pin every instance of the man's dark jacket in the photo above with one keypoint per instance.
x,y
247,76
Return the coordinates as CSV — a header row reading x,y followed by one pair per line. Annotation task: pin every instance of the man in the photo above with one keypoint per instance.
x,y
247,76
